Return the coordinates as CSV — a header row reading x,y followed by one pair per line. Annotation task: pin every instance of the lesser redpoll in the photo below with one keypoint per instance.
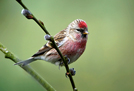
x,y
71,42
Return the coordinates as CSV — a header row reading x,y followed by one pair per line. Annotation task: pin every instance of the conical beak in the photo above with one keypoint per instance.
x,y
85,32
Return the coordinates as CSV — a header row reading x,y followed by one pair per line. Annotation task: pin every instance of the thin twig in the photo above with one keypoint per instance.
x,y
39,23
27,68
54,44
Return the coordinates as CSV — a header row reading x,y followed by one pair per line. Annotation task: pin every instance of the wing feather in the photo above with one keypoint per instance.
x,y
44,49
59,38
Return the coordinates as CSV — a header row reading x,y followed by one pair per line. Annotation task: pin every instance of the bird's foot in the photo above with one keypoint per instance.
x,y
68,59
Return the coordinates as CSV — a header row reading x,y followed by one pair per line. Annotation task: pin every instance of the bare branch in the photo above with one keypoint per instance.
x,y
27,68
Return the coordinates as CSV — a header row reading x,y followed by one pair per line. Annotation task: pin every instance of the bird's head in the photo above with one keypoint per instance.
x,y
79,26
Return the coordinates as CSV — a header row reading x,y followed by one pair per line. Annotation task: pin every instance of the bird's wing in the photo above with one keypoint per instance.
x,y
59,38
42,50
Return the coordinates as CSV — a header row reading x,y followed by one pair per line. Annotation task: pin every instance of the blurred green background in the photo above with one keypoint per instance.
x,y
107,63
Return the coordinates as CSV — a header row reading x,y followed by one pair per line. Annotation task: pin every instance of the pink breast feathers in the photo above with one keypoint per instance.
x,y
73,48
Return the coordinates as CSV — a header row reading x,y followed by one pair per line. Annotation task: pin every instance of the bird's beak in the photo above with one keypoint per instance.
x,y
85,32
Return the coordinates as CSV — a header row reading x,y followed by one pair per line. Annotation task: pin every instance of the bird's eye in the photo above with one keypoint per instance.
x,y
81,30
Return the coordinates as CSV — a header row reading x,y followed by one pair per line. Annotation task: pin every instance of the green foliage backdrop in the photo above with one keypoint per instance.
x,y
106,65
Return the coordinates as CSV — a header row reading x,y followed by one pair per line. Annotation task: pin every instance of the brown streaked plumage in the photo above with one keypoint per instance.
x,y
71,42
42,50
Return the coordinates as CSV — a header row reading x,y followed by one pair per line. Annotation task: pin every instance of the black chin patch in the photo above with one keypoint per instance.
x,y
84,35
81,31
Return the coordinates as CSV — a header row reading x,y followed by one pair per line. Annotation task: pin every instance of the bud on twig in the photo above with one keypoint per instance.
x,y
73,72
75,89
47,37
41,22
27,14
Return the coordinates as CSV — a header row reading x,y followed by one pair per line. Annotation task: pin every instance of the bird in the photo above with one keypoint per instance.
x,y
71,42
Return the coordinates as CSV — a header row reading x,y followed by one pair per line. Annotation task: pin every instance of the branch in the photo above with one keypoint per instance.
x,y
27,68
31,16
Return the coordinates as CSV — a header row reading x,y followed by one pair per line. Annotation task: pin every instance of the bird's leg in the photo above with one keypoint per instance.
x,y
68,59
61,63
73,72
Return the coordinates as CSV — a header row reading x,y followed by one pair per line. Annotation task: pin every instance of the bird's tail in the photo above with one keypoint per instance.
x,y
25,62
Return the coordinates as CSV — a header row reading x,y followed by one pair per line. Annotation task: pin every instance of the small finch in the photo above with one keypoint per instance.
x,y
70,41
